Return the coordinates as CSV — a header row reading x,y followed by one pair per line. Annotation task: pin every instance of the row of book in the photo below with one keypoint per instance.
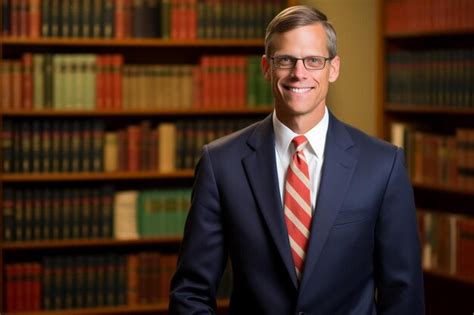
x,y
104,82
175,19
409,16
434,158
92,213
68,146
431,77
83,281
447,242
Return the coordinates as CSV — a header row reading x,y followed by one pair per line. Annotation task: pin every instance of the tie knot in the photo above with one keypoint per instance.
x,y
299,142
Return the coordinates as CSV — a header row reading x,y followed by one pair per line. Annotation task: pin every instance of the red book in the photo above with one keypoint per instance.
x,y
24,17
107,81
127,18
206,82
192,19
133,148
221,81
119,18
465,249
6,84
132,279
14,18
35,18
117,65
10,285
241,81
174,13
27,81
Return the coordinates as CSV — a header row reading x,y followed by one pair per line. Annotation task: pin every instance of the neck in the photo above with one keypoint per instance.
x,y
300,124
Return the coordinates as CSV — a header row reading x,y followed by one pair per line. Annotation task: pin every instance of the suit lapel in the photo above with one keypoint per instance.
x,y
338,168
260,167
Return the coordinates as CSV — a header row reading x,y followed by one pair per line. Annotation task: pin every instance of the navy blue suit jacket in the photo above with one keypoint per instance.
x,y
364,253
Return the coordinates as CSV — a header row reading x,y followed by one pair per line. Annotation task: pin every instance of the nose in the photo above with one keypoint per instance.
x,y
299,70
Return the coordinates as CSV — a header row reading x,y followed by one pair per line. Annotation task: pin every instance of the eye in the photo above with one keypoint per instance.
x,y
314,61
284,60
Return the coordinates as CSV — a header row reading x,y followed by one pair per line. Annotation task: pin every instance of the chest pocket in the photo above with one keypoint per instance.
x,y
346,217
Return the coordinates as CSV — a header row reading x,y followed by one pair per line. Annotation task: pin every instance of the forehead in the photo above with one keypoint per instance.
x,y
302,41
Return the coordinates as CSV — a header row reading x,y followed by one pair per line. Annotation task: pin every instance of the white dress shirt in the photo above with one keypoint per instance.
x,y
313,151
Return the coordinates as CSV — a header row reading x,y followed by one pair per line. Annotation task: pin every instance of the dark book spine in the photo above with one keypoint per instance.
x,y
86,215
36,147
138,12
96,213
98,146
6,31
19,215
7,146
98,18
57,226
45,150
37,214
109,18
26,148
66,146
8,213
47,284
67,222
76,152
107,203
76,213
47,215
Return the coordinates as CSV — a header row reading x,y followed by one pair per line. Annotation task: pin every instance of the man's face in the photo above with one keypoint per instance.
x,y
298,91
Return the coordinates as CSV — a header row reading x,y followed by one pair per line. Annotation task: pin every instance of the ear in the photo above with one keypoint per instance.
x,y
334,69
266,68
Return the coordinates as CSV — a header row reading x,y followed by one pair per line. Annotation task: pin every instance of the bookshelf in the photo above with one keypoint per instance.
x,y
426,105
118,31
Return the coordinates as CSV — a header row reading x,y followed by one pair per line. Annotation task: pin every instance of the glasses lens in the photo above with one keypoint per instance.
x,y
314,62
284,61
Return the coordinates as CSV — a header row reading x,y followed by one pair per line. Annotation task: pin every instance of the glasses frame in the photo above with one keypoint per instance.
x,y
302,59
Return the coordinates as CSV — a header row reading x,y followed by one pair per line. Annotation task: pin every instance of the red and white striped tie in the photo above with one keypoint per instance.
x,y
298,204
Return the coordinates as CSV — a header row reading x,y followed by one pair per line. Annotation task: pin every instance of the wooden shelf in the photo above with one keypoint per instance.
x,y
82,243
65,177
434,33
447,276
130,42
126,309
444,188
137,113
424,109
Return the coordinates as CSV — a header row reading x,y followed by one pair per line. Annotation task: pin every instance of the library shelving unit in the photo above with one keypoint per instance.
x,y
136,50
426,105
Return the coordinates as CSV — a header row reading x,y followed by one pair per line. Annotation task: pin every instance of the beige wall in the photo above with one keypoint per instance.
x,y
353,96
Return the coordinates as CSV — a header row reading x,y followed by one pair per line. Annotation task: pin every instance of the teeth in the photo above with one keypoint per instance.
x,y
300,90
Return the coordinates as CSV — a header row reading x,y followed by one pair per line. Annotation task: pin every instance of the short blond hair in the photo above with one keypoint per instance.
x,y
297,16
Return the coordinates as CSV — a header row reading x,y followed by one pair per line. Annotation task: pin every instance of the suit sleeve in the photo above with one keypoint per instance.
x,y
202,255
398,271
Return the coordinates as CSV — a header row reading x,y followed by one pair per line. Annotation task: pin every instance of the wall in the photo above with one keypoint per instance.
x,y
352,98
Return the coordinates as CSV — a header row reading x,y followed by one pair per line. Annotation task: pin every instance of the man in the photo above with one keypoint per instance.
x,y
316,217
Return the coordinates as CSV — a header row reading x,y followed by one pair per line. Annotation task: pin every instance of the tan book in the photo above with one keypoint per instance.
x,y
125,215
111,152
167,147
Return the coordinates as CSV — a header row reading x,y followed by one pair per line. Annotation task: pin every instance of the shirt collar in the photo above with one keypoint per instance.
x,y
316,136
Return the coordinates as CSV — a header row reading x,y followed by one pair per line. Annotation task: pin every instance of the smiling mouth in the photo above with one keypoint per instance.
x,y
298,90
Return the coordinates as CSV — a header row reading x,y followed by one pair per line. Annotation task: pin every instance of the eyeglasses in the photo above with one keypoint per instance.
x,y
309,62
